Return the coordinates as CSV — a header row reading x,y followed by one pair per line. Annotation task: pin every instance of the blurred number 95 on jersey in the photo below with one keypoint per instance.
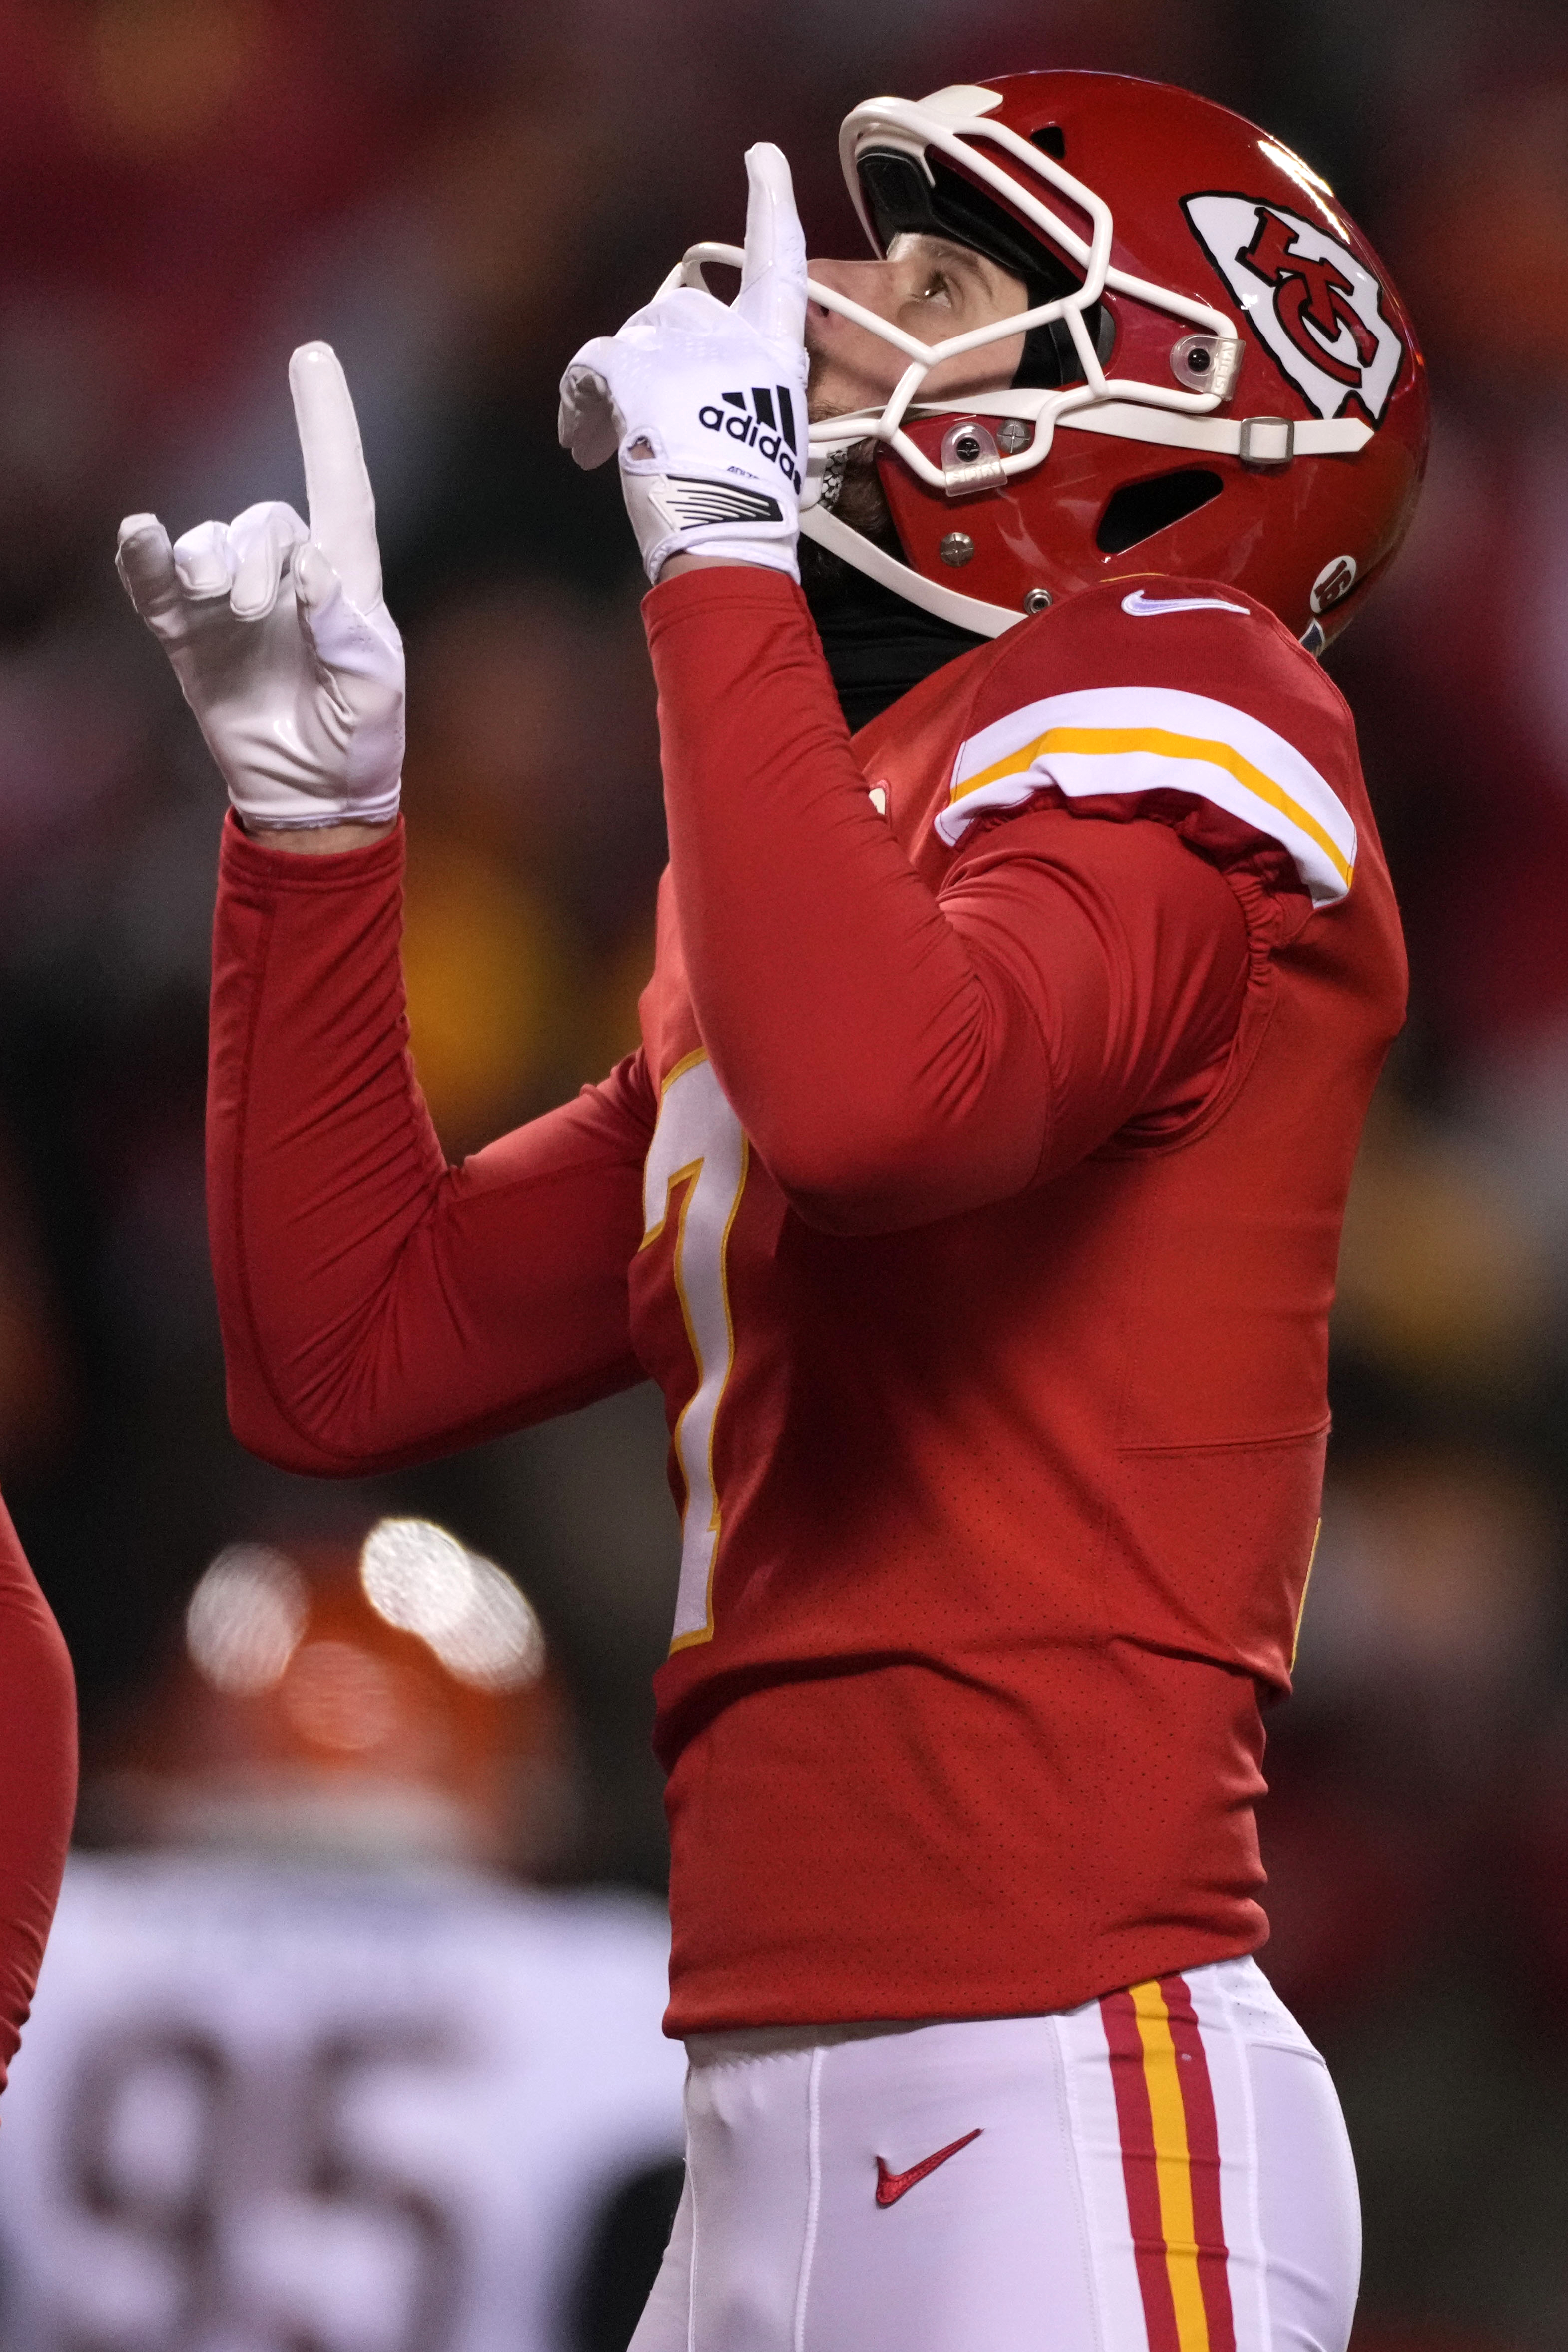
x,y
309,2069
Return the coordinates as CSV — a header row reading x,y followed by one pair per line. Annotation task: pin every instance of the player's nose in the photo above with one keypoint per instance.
x,y
869,283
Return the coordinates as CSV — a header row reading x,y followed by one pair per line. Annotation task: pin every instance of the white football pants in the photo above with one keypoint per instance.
x,y
1164,2170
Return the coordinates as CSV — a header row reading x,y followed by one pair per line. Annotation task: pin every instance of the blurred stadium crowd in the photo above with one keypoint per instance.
x,y
454,193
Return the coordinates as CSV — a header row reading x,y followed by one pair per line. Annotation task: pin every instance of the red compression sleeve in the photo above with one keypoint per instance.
x,y
895,1054
37,1780
379,1306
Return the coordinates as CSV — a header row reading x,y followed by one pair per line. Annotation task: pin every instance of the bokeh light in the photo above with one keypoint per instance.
x,y
421,1579
244,1620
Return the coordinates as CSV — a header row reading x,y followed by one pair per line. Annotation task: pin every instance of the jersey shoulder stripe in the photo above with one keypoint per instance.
x,y
1130,741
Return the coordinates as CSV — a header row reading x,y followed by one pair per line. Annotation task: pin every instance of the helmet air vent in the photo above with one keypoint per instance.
x,y
1051,141
1139,509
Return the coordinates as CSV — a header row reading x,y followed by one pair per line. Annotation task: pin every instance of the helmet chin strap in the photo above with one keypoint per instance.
x,y
863,556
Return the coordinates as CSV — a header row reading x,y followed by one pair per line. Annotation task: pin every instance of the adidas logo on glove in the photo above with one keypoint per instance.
x,y
761,425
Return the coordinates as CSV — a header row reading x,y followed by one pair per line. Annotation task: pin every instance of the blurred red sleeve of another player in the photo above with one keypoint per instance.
x,y
379,1304
37,1776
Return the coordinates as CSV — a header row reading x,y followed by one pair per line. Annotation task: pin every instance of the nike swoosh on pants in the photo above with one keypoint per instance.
x,y
891,2186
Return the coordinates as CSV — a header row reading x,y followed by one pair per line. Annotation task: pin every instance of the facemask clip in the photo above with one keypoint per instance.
x,y
1207,363
970,460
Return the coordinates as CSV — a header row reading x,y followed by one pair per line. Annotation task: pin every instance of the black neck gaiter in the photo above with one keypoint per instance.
x,y
877,645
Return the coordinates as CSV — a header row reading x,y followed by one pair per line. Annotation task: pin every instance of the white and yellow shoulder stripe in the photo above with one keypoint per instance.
x,y
1130,739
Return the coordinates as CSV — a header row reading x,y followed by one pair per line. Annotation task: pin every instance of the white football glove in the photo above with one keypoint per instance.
x,y
706,402
277,633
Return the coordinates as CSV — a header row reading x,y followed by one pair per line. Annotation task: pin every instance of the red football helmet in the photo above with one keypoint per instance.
x,y
1218,380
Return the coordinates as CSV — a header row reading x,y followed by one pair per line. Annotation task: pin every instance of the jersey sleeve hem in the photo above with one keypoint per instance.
x,y
1157,750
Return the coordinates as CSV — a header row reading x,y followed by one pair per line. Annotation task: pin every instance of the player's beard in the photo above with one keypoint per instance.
x,y
859,500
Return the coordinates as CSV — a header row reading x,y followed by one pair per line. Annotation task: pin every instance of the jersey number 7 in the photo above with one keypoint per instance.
x,y
699,1149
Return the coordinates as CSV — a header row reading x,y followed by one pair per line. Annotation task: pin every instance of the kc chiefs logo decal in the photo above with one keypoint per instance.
x,y
1311,302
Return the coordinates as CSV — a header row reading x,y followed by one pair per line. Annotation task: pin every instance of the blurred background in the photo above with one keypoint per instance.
x,y
454,193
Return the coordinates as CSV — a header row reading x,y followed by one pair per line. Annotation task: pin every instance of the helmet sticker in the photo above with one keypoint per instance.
x,y
1335,579
1318,309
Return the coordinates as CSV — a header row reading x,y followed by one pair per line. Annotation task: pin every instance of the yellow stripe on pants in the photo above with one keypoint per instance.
x,y
1173,2164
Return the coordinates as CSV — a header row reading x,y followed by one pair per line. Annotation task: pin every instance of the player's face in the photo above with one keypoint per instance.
x,y
931,288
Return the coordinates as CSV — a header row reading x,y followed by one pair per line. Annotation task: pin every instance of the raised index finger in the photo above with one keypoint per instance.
x,y
772,296
343,507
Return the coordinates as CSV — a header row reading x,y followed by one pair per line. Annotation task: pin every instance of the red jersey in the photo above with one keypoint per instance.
x,y
37,1776
975,1200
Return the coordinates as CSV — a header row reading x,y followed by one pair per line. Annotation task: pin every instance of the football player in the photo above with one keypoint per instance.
x,y
305,2067
37,1780
974,1196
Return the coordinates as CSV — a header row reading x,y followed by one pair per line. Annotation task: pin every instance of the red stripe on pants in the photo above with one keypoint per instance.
x,y
1136,2123
1203,2154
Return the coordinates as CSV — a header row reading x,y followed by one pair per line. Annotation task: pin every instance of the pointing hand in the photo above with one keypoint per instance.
x,y
278,631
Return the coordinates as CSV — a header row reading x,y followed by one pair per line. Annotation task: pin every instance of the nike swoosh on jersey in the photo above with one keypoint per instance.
x,y
891,2186
1141,607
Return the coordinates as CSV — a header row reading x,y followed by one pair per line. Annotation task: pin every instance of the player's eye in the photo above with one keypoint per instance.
x,y
938,287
